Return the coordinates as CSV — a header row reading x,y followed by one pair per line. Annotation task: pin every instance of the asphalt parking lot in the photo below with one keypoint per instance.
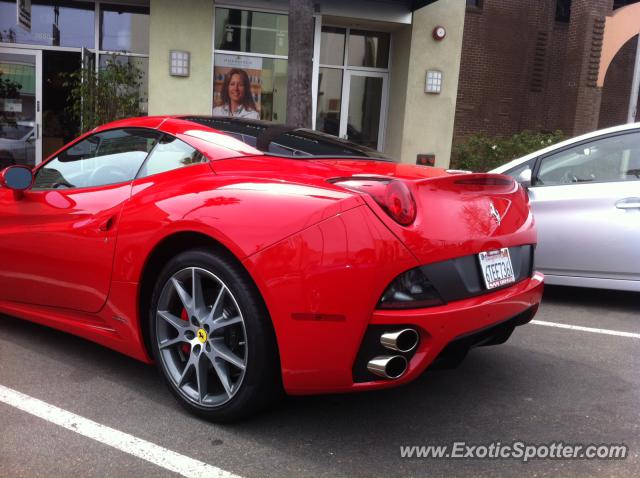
x,y
546,384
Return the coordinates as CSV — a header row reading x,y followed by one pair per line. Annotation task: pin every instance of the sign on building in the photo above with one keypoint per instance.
x,y
24,14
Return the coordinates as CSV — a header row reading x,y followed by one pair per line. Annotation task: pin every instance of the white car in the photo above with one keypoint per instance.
x,y
585,195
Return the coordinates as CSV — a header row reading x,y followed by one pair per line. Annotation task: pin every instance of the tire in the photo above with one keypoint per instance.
x,y
217,353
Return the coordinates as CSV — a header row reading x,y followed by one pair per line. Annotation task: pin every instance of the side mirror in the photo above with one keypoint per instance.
x,y
524,178
16,178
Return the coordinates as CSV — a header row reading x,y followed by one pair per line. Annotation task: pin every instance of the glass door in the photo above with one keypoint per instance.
x,y
20,107
362,115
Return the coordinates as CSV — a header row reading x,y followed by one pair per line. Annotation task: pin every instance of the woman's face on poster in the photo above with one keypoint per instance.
x,y
236,88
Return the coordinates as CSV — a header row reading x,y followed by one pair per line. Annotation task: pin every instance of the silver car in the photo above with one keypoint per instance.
x,y
585,195
17,144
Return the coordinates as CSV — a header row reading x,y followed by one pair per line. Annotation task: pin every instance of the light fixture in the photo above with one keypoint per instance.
x,y
179,63
229,31
439,33
433,83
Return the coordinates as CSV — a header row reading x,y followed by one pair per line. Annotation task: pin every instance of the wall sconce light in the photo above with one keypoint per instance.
x,y
433,83
179,63
229,31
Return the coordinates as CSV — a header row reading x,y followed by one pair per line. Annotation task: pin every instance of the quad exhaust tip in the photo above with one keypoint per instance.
x,y
388,366
403,341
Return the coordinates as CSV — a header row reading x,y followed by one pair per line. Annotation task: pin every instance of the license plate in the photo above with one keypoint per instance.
x,y
496,268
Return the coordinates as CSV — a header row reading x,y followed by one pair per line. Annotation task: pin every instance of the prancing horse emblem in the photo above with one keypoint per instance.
x,y
494,212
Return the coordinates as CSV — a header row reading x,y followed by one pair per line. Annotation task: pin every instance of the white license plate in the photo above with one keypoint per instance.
x,y
496,268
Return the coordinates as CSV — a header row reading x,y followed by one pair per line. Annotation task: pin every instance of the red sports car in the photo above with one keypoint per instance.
x,y
242,273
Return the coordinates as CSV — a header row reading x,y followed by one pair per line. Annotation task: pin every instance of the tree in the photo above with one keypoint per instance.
x,y
300,68
110,94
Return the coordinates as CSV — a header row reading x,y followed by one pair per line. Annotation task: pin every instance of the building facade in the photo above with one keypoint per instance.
x,y
534,65
370,66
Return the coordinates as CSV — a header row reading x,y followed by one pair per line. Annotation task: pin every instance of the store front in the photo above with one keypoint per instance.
x,y
369,66
35,118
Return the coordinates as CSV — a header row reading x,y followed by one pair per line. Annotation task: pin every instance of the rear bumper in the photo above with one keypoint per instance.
x,y
444,325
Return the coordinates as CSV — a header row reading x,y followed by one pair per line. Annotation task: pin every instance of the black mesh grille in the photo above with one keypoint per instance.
x,y
461,278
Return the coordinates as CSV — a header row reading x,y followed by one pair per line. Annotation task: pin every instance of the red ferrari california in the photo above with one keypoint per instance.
x,y
246,259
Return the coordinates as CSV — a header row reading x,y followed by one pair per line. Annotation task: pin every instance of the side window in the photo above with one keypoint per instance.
x,y
109,157
522,172
169,154
616,158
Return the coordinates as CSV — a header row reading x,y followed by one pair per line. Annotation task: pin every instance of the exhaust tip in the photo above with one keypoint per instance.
x,y
388,366
404,340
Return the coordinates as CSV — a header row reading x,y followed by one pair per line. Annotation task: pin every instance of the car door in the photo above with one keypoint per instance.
x,y
586,203
57,241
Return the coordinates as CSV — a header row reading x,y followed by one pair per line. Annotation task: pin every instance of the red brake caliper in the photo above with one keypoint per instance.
x,y
186,348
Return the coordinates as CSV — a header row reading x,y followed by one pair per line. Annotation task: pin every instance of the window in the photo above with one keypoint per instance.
x,y
369,49
53,23
170,154
138,64
124,28
250,64
616,158
474,3
109,157
332,46
251,32
563,11
622,3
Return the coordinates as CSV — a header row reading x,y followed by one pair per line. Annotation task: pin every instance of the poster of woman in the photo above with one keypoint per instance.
x,y
237,87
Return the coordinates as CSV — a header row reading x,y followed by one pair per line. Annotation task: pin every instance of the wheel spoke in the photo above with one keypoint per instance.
x,y
185,298
197,304
221,323
202,369
171,342
216,310
223,374
221,350
176,322
186,370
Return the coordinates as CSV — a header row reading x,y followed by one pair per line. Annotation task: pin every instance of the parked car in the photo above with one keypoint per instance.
x,y
241,273
585,194
17,144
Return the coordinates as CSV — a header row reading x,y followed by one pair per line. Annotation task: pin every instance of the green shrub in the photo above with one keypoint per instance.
x,y
111,93
481,153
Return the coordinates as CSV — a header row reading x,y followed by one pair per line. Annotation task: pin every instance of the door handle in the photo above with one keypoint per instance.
x,y
628,203
107,224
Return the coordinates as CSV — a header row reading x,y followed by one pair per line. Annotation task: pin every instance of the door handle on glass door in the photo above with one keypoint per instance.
x,y
628,203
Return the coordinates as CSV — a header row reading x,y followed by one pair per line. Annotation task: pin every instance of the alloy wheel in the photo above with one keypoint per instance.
x,y
201,337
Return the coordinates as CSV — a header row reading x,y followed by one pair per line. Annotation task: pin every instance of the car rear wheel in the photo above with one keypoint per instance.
x,y
212,338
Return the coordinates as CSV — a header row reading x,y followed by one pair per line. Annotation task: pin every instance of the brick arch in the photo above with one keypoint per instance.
x,y
619,28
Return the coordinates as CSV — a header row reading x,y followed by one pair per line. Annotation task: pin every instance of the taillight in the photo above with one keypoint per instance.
x,y
393,196
410,290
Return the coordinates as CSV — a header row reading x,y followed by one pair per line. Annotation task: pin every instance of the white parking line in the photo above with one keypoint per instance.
x,y
167,459
587,329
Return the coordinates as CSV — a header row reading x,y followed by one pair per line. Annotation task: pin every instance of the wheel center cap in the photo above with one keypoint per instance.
x,y
202,336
